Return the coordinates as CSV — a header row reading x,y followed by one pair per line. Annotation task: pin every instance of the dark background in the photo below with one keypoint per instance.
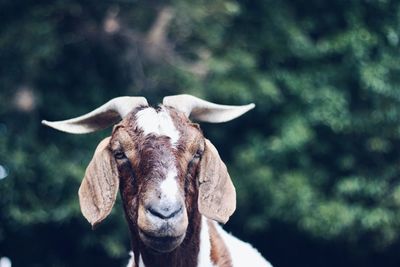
x,y
316,164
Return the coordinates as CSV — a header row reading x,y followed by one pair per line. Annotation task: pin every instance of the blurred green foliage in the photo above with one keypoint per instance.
x,y
316,164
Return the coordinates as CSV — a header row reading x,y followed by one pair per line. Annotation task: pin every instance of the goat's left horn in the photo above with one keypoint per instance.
x,y
202,110
100,118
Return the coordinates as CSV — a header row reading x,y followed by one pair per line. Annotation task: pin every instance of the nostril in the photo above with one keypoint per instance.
x,y
164,213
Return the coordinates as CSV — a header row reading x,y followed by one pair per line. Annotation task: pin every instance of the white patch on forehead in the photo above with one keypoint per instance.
x,y
169,187
159,123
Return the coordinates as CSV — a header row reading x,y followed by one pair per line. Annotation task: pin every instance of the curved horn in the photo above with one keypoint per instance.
x,y
100,118
202,110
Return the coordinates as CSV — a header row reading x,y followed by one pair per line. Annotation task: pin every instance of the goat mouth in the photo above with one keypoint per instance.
x,y
160,244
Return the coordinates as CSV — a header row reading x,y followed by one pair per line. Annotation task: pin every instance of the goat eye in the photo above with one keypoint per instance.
x,y
198,154
119,155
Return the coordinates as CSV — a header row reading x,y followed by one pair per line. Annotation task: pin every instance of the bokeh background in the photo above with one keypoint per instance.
x,y
316,164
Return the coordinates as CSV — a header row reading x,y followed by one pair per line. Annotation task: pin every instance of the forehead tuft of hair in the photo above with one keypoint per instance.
x,y
157,122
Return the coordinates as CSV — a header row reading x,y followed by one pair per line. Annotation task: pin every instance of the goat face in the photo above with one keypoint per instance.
x,y
157,165
167,172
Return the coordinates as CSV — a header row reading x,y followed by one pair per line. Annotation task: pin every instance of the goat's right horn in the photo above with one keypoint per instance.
x,y
202,110
100,118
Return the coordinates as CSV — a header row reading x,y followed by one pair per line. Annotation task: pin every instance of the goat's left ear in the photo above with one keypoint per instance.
x,y
217,195
99,187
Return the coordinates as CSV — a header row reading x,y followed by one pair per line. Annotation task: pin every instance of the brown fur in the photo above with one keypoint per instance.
x,y
150,156
220,255
140,163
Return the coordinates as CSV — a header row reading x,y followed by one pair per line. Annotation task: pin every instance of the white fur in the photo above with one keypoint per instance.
x,y
132,259
5,262
159,123
204,258
169,186
242,254
141,263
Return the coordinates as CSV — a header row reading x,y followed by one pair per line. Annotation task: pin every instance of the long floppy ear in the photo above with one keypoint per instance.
x,y
217,195
99,187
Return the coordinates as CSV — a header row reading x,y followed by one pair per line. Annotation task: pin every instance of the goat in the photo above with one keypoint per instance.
x,y
173,183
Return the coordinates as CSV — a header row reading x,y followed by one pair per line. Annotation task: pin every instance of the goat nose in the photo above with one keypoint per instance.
x,y
165,212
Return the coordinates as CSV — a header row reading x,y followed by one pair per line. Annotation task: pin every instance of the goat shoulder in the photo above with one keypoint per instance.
x,y
242,253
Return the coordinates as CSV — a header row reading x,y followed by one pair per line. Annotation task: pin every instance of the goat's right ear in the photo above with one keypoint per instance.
x,y
99,187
